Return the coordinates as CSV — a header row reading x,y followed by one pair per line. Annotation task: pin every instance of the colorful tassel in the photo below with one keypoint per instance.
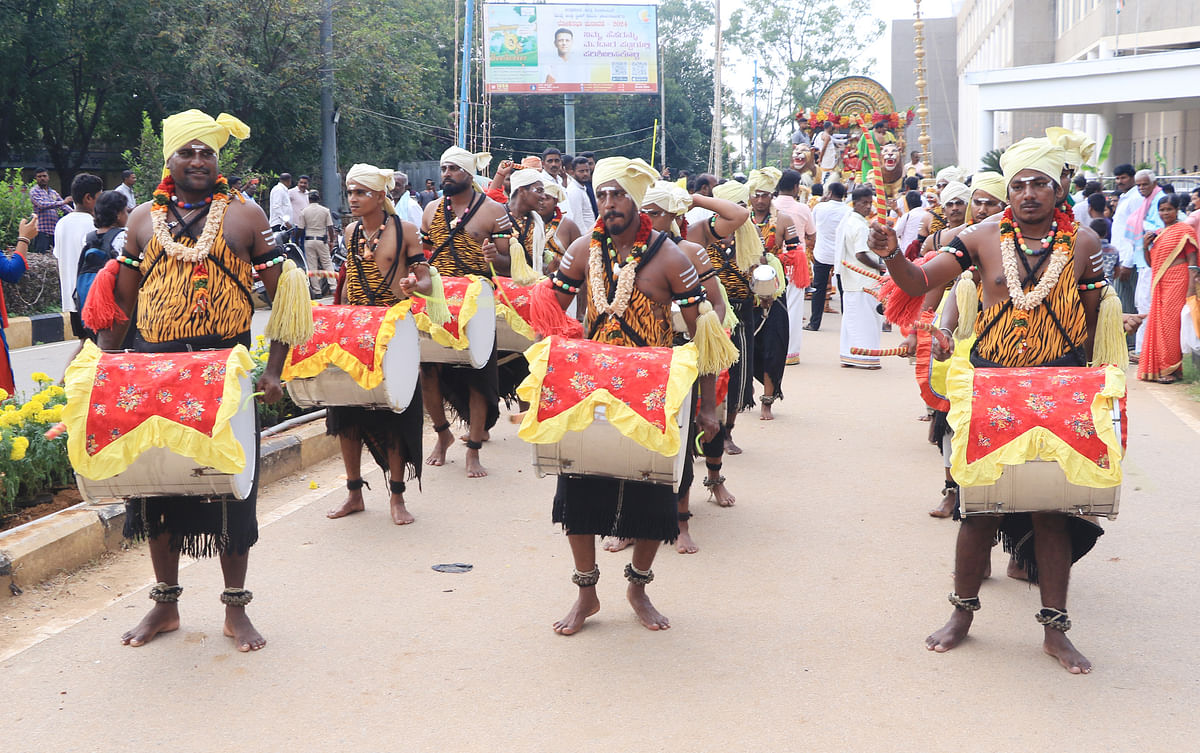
x,y
966,295
291,319
435,304
100,310
748,246
715,350
518,267
546,314
1108,345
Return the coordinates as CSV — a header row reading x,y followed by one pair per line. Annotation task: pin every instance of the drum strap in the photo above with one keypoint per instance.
x,y
637,339
456,228
386,282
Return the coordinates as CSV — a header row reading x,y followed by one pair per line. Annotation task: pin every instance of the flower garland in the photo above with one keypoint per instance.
x,y
1063,242
164,195
625,273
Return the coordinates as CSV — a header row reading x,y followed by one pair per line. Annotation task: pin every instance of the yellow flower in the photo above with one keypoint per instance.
x,y
56,391
41,377
312,484
260,339
3,394
19,446
10,407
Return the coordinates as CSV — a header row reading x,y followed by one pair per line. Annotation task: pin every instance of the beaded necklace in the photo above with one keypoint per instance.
x,y
1061,244
625,273
164,195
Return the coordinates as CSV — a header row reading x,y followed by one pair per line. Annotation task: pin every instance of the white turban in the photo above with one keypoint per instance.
x,y
1041,155
375,179
524,177
763,180
553,188
955,191
193,125
990,183
951,174
472,163
668,197
1078,146
732,190
634,175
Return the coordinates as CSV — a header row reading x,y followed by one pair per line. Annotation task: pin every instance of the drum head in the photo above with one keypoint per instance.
x,y
402,364
481,330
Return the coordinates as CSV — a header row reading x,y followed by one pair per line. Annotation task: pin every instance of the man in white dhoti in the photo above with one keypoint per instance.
x,y
861,320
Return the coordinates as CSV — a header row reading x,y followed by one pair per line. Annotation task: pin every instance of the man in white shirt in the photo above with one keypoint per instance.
x,y
69,236
128,178
908,227
407,208
826,152
861,320
298,198
704,185
280,216
581,200
1136,215
827,216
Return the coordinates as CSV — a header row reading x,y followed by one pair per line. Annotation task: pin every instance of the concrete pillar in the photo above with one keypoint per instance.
x,y
987,131
1107,124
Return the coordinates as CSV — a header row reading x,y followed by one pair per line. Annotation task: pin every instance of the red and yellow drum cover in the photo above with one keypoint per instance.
x,y
512,305
462,298
353,338
641,389
1004,417
121,404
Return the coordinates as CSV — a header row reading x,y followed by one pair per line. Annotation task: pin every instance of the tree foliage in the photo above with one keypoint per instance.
x,y
802,47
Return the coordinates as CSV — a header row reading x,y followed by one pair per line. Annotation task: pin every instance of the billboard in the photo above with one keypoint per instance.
x,y
559,49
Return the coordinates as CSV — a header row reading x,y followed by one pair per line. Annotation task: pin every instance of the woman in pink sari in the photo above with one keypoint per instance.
x,y
1173,260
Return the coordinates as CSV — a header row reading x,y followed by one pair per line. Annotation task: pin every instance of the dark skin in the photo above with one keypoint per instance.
x,y
488,219
367,206
567,231
659,280
785,230
194,169
1033,196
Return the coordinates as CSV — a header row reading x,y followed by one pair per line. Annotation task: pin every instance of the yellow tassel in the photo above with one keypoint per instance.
x,y
730,322
748,245
435,305
675,229
1108,346
780,281
966,295
716,351
518,267
291,319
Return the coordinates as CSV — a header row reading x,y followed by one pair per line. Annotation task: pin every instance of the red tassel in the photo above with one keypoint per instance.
x,y
100,311
899,307
546,315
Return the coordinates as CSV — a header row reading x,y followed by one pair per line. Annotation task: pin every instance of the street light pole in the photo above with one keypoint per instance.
x,y
331,184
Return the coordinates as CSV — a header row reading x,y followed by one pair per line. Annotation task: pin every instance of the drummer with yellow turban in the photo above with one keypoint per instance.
x,y
734,251
463,233
187,268
631,275
1041,306
384,265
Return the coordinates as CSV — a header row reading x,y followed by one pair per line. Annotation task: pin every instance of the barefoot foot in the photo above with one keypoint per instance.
x,y
684,544
946,508
650,617
584,607
1058,645
731,448
400,514
486,436
445,438
615,544
474,468
952,633
238,627
720,494
354,503
162,618
764,413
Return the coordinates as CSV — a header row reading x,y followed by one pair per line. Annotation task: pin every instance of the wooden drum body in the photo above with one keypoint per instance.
x,y
470,336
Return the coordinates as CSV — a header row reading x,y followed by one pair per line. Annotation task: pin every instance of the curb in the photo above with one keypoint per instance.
x,y
70,538
24,331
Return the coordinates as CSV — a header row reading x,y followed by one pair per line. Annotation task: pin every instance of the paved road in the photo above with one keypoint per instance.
x,y
798,626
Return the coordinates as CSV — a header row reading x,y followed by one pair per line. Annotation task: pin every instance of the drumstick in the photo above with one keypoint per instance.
x,y
864,272
900,351
938,335
322,273
56,431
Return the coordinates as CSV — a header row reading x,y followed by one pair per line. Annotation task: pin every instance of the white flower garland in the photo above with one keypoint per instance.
x,y
184,252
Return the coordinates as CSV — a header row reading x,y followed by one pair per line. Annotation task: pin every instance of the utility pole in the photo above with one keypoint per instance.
x,y
331,184
569,122
715,150
464,93
662,110
754,130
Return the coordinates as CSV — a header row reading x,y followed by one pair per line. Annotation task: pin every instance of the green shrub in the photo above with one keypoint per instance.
x,y
38,291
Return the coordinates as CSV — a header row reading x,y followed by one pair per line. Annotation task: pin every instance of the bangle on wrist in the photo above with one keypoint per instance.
x,y
895,252
23,239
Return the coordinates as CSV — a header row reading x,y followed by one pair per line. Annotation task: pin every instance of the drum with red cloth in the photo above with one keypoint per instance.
x,y
470,335
162,424
607,410
514,333
1038,439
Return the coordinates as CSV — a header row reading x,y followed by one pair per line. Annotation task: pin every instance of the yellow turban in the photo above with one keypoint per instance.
x,y
731,190
524,177
1033,154
763,180
668,197
460,157
990,183
1078,146
376,179
634,175
955,191
553,187
193,125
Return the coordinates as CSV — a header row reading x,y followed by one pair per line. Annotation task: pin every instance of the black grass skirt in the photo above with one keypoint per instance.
x,y
612,507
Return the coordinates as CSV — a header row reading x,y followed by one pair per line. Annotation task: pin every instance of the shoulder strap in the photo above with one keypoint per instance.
x,y
462,224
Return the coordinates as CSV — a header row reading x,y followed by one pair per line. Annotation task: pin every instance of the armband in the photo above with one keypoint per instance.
x,y
688,298
263,258
416,259
129,261
565,284
791,244
708,274
270,263
1094,284
959,251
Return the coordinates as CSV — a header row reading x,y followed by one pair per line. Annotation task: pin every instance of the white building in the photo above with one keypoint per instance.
x,y
1024,65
